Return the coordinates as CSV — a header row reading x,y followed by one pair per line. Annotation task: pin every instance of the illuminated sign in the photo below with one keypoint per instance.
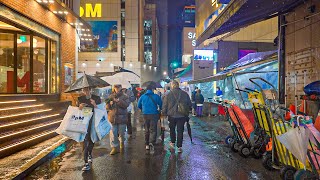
x,y
91,11
214,3
192,35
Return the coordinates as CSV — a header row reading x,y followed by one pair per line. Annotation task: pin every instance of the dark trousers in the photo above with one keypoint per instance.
x,y
179,123
87,147
129,125
150,126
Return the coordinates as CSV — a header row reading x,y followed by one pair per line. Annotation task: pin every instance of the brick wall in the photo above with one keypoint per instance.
x,y
37,13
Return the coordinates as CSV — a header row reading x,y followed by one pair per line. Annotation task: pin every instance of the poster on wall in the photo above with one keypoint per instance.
x,y
68,75
105,35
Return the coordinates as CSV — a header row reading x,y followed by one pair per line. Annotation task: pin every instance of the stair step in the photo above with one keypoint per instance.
x,y
27,122
23,115
25,142
10,103
7,136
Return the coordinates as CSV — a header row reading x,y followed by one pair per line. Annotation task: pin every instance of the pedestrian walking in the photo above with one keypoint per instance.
x,y
132,98
150,104
117,105
91,101
176,105
193,100
199,102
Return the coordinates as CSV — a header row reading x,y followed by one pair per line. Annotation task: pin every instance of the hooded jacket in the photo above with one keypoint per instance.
x,y
117,113
170,102
146,104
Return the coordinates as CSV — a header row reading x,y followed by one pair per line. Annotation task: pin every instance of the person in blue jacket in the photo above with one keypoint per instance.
x,y
150,104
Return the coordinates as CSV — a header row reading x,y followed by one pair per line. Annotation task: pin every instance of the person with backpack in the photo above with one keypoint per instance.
x,y
150,105
177,106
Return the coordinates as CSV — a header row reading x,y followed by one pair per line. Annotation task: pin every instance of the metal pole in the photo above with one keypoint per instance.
x,y
234,77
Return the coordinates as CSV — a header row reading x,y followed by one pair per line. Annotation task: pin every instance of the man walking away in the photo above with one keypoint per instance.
x,y
132,98
193,99
176,105
150,104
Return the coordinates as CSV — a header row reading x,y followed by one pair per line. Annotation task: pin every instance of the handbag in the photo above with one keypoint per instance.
x,y
183,109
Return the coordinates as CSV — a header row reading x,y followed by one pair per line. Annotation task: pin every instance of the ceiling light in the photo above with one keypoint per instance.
x,y
98,65
111,64
84,64
86,39
82,39
71,24
65,12
51,1
60,12
89,35
130,65
88,29
76,24
39,1
85,35
83,29
45,1
90,39
55,12
80,24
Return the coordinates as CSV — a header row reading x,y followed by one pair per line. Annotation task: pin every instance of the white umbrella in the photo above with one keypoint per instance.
x,y
117,80
131,77
296,141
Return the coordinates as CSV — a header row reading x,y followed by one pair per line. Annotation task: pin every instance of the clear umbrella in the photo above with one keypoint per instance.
x,y
296,141
112,80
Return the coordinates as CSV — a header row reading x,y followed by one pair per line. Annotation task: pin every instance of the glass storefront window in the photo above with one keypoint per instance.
x,y
6,63
23,68
53,67
39,65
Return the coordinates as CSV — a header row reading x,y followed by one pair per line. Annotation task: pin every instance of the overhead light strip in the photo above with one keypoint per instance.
x,y
27,140
30,120
27,100
21,107
26,130
21,114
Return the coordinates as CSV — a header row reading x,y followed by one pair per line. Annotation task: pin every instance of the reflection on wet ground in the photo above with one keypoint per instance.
x,y
207,158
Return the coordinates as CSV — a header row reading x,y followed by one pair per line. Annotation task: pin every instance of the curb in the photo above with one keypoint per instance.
x,y
47,154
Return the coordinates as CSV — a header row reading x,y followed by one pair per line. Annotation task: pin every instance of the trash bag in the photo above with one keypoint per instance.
x,y
101,124
296,140
312,88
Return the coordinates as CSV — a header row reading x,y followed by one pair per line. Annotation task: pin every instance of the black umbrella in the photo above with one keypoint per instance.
x,y
86,81
154,84
189,130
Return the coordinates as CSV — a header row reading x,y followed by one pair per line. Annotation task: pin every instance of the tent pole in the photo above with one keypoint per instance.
x,y
234,77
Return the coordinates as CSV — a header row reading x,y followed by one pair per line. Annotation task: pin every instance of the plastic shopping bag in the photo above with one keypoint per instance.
x,y
102,126
77,120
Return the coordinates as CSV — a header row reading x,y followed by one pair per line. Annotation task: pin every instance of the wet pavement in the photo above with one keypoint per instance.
x,y
207,158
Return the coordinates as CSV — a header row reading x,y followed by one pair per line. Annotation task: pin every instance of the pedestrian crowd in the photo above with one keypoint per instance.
x,y
175,104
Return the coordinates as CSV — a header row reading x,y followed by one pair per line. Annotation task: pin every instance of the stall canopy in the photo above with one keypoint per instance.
x,y
186,75
249,61
241,13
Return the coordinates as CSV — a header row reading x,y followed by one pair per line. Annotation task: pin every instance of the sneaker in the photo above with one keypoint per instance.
x,y
172,145
89,159
114,151
147,147
180,150
86,167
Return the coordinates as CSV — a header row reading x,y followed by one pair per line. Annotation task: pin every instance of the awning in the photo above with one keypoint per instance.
x,y
250,60
241,13
186,74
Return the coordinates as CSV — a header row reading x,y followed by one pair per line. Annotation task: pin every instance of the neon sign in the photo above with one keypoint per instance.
x,y
91,11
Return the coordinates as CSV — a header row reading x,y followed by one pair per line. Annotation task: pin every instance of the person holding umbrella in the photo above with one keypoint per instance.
x,y
117,105
85,83
176,105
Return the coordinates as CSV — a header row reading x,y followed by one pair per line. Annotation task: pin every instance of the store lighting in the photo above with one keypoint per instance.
x,y
39,1
90,39
80,24
9,102
20,114
45,1
60,12
83,29
88,29
51,1
82,39
84,64
21,107
164,73
76,24
55,12
130,64
98,65
72,24
65,12
89,35
86,39
111,64
19,41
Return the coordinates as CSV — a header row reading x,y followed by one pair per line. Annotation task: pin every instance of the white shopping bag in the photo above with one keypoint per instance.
x,y
101,124
77,120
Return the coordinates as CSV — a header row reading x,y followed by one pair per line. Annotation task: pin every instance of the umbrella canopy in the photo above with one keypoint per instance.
x,y
154,84
296,141
129,76
113,80
86,81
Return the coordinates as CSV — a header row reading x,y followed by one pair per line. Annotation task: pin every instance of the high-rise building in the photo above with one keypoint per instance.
x,y
189,15
118,38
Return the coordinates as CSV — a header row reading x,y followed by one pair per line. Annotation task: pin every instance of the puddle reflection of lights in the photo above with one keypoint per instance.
x,y
7,102
28,140
26,130
21,114
21,107
30,120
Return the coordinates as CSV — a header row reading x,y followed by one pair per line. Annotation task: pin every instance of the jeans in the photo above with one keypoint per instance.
x,y
87,147
129,125
150,126
117,129
179,122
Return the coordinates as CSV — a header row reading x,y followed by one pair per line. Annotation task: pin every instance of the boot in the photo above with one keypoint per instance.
x,y
114,151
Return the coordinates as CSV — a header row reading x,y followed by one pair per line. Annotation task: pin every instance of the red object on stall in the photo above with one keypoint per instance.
x,y
317,122
10,82
221,110
292,108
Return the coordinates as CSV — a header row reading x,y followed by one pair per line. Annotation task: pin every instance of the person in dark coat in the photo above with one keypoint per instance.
x,y
193,100
91,101
199,99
